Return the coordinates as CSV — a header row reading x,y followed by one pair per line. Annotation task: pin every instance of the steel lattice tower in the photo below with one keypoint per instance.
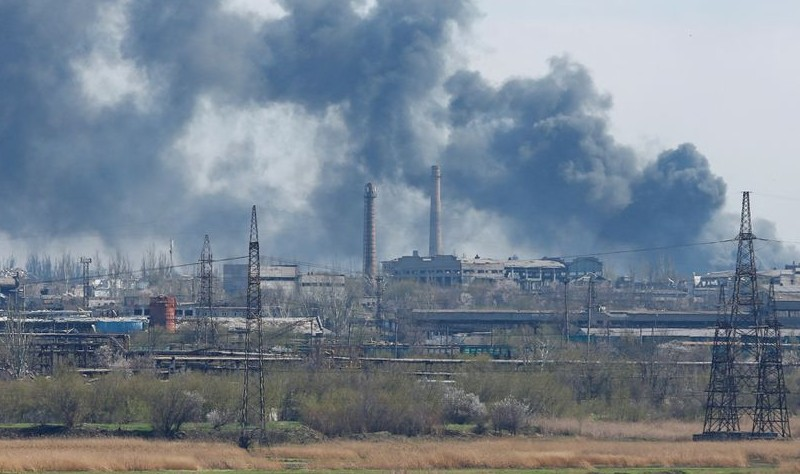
x,y
746,380
206,296
253,314
771,415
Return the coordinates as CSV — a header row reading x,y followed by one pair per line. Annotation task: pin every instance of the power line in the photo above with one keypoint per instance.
x,y
776,241
777,196
648,249
133,272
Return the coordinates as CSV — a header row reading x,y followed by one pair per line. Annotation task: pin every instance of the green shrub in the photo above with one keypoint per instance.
x,y
171,405
369,402
67,402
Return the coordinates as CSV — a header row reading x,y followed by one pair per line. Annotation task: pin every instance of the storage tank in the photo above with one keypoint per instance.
x,y
119,325
162,312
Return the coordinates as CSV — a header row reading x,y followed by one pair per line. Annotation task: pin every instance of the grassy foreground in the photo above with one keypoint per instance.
x,y
522,453
576,454
566,446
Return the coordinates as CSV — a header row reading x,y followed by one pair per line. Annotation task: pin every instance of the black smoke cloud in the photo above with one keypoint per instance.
x,y
533,154
540,150
673,199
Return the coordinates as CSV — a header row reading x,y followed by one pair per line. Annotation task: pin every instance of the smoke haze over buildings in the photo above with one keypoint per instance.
x,y
125,124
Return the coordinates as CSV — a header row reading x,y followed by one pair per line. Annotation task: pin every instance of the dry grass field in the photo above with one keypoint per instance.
x,y
670,430
124,454
526,453
565,444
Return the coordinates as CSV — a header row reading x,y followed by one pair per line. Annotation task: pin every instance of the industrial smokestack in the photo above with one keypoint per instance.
x,y
370,246
436,210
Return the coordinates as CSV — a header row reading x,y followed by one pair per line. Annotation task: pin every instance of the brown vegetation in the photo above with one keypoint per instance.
x,y
124,455
654,448
508,453
666,430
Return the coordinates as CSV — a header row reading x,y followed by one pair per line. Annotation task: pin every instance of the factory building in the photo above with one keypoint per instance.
x,y
287,279
281,278
448,270
442,270
582,266
234,278
322,284
530,274
481,269
9,284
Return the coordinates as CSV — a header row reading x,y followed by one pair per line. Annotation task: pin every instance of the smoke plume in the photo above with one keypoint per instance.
x,y
126,124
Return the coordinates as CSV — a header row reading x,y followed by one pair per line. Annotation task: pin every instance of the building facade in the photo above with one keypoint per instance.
x,y
286,279
448,270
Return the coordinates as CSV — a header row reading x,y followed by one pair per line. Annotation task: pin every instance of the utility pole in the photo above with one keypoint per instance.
x,y
396,327
566,312
85,261
378,298
171,263
589,308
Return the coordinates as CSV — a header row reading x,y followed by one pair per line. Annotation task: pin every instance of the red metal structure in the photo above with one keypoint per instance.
x,y
162,312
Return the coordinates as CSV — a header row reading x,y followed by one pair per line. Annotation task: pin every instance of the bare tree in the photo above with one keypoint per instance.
x,y
17,345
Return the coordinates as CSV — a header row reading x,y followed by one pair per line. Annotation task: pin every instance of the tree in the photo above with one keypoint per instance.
x,y
17,343
117,398
172,405
65,398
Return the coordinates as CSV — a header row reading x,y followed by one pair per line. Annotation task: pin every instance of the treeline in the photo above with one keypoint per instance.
x,y
154,265
481,395
340,402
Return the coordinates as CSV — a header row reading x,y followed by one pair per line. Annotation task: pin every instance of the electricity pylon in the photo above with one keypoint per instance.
x,y
253,315
206,297
746,381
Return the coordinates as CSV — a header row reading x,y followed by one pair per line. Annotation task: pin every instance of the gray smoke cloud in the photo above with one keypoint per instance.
x,y
126,124
539,150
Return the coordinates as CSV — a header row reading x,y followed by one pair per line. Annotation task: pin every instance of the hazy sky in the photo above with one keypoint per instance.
x,y
723,75
562,127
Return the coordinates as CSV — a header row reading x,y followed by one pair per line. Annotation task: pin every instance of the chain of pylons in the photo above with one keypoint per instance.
x,y
746,380
253,314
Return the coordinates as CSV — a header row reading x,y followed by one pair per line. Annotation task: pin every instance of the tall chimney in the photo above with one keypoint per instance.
x,y
370,246
436,210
